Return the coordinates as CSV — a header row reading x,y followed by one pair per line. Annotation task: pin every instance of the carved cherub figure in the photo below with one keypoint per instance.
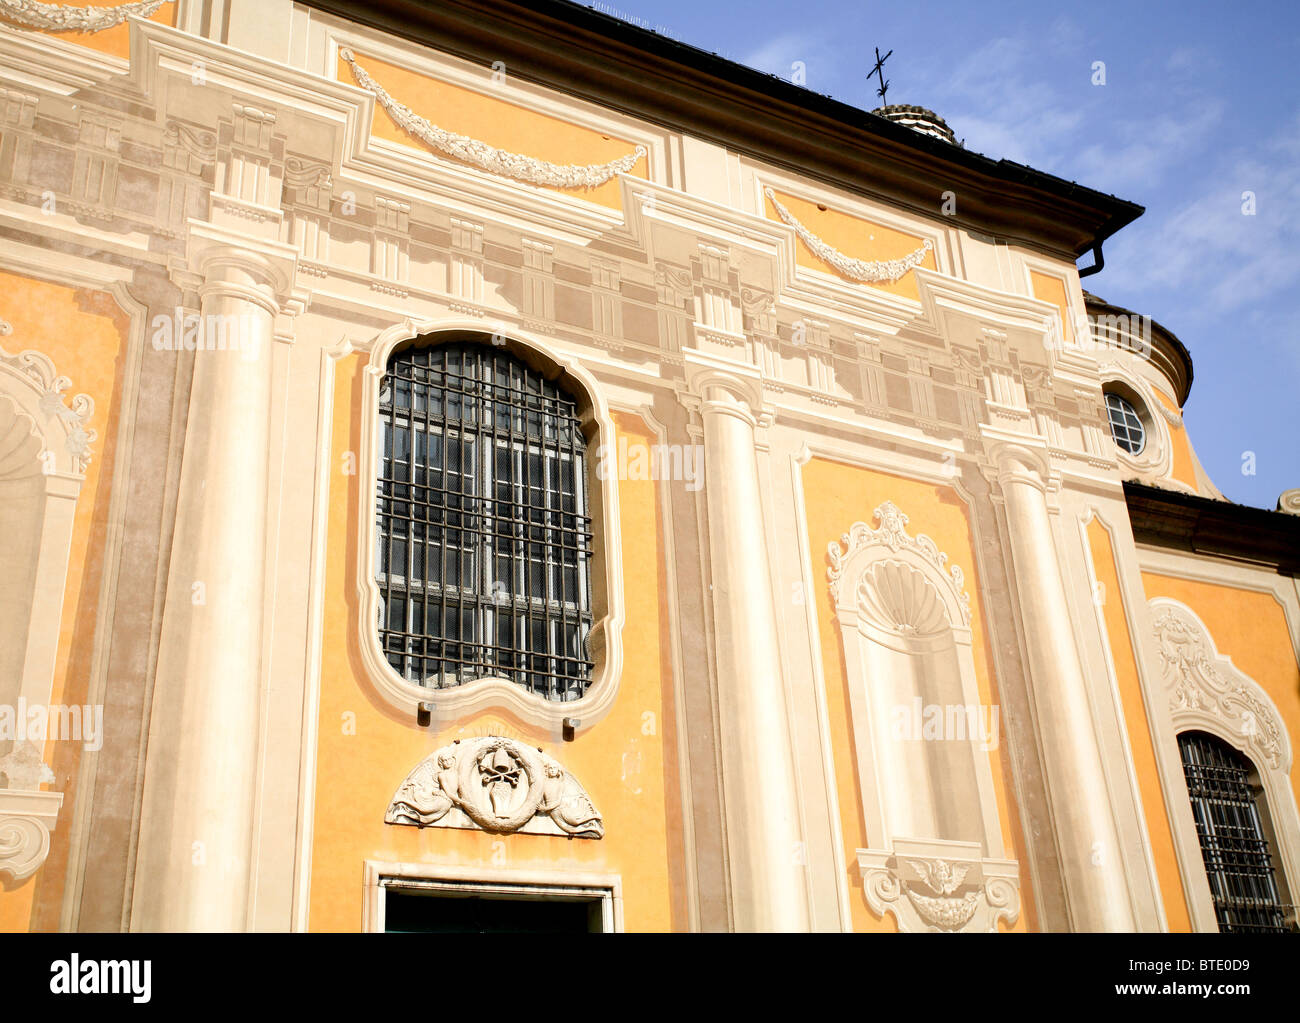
x,y
428,794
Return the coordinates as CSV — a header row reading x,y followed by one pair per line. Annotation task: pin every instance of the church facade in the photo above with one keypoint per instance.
x,y
484,466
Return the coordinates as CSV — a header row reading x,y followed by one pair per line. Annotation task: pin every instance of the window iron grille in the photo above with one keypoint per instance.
x,y
484,538
1233,842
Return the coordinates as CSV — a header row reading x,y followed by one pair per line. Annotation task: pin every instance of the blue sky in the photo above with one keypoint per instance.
x,y
1201,103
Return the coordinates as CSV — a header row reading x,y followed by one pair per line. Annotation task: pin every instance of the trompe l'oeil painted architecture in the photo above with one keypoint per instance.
x,y
471,466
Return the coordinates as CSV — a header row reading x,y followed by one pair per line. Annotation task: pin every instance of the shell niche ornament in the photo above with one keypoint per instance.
x,y
495,784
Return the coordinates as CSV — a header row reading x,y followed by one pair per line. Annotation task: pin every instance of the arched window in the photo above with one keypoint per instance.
x,y
1234,843
484,538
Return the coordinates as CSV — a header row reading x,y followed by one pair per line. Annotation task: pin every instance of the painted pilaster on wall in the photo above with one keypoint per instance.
x,y
196,828
768,883
1096,888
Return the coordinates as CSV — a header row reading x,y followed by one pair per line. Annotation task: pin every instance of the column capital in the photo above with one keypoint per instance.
x,y
730,388
1019,459
221,260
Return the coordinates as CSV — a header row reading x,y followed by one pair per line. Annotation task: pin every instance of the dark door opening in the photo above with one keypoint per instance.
x,y
413,911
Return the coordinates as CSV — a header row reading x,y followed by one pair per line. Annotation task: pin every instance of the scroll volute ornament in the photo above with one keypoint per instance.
x,y
498,785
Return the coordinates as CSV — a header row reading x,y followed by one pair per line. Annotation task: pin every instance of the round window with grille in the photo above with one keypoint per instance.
x,y
1125,424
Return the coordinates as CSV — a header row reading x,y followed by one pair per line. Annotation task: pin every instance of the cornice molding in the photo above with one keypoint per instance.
x,y
607,61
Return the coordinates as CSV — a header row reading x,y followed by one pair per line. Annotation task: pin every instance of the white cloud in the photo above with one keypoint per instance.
x,y
1222,262
777,56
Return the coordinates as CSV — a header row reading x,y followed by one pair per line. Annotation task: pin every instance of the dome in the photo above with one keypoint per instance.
x,y
919,119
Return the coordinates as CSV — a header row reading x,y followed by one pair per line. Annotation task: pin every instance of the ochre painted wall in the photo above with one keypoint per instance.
x,y
1138,725
84,333
115,41
493,121
1183,468
837,495
1052,289
627,762
855,237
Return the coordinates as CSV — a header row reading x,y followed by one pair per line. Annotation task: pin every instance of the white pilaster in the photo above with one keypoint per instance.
x,y
196,834
764,840
1096,887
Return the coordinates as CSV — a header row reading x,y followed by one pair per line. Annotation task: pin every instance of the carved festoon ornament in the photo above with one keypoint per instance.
x,y
498,785
1205,689
1174,419
869,272
489,158
65,18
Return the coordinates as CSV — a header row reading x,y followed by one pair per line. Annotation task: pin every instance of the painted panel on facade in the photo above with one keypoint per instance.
x,y
1184,467
1052,289
627,762
84,334
836,495
1250,628
1139,728
855,237
494,121
114,41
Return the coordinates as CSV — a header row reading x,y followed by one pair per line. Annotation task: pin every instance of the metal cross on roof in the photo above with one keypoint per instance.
x,y
879,70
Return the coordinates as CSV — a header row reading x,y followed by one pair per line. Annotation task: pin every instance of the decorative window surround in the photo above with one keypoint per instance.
x,y
1155,461
63,18
495,692
489,158
904,622
1207,692
498,785
868,272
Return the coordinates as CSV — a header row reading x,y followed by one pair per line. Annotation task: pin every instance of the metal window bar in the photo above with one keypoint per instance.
x,y
1233,844
484,540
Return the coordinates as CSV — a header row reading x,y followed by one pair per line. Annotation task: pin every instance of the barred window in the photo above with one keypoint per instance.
x,y
483,531
1234,845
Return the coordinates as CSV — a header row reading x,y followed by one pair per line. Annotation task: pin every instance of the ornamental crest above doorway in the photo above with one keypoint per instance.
x,y
495,784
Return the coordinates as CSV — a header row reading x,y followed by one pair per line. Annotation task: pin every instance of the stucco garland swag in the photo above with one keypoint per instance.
x,y
869,272
60,18
488,158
